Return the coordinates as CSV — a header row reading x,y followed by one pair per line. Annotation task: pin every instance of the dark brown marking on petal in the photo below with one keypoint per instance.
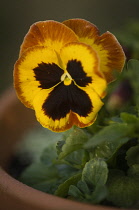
x,y
76,71
48,74
64,99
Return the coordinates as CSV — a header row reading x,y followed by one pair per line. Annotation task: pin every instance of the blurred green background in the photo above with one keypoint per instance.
x,y
16,16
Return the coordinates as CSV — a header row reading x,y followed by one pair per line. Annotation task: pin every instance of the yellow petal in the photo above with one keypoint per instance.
x,y
49,34
86,31
57,125
110,52
96,104
37,69
82,64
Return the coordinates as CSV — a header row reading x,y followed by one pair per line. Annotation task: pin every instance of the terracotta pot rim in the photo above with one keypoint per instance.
x,y
18,194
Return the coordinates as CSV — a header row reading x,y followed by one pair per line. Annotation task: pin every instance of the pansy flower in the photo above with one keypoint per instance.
x,y
63,71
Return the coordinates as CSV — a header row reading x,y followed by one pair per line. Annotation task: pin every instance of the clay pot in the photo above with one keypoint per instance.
x,y
15,119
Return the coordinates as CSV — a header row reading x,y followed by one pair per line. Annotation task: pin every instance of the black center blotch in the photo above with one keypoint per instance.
x,y
48,74
65,98
76,71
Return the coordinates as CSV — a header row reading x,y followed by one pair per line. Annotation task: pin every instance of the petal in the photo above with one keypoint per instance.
x,y
96,103
38,68
64,106
49,34
57,125
110,52
86,31
82,63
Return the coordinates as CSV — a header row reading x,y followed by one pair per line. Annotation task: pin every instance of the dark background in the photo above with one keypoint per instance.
x,y
16,16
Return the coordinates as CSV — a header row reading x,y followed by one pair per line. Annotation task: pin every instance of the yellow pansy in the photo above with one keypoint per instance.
x,y
63,71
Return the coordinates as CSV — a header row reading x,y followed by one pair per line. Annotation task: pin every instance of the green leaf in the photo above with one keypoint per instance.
x,y
98,195
48,186
95,172
40,176
111,133
134,172
37,172
83,187
129,118
95,196
77,158
75,192
83,193
59,146
133,120
63,188
65,171
48,155
132,155
74,141
123,190
107,149
95,127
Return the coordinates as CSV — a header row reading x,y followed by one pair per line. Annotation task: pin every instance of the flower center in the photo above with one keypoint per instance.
x,y
66,78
